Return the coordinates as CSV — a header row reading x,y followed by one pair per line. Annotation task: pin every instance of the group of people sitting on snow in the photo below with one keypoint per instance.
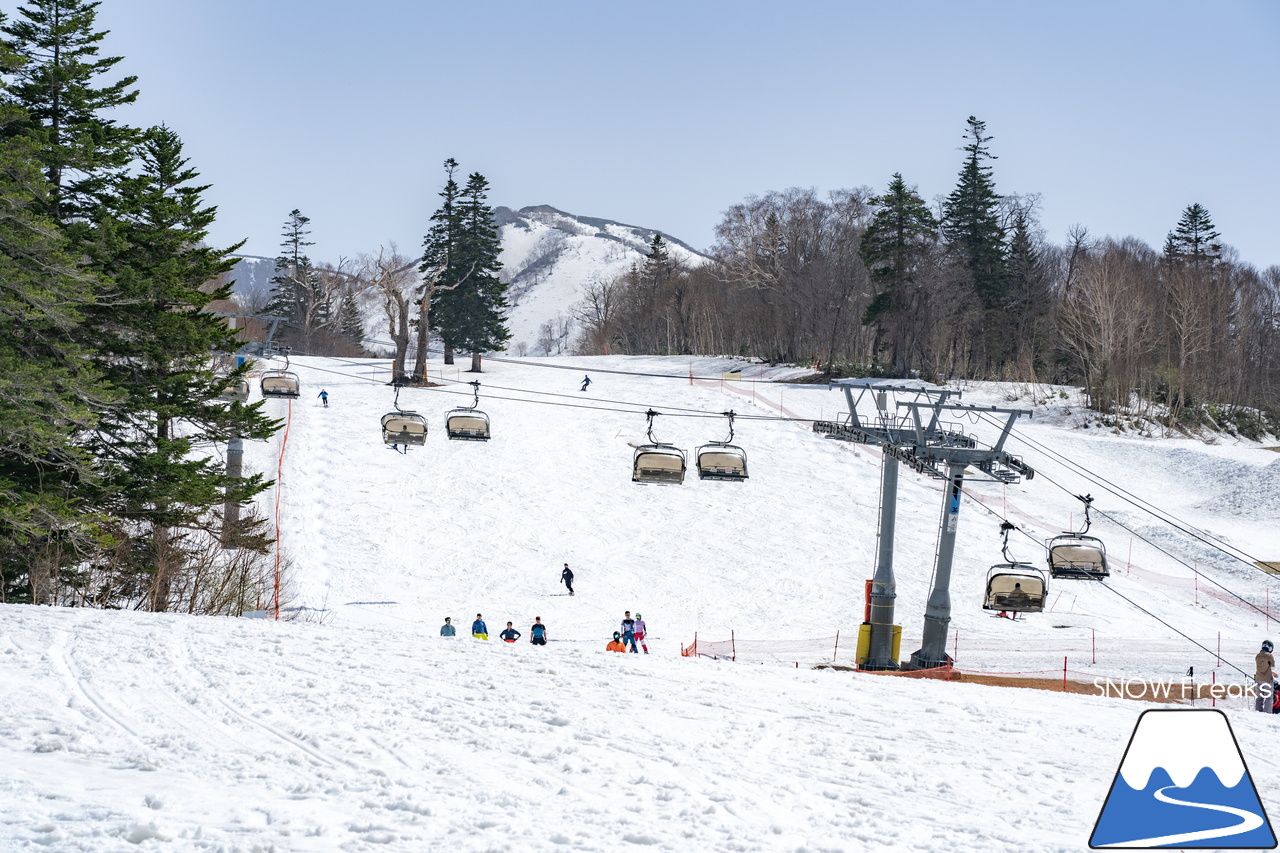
x,y
627,639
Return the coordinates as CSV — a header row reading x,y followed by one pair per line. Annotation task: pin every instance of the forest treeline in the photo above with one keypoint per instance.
x,y
886,284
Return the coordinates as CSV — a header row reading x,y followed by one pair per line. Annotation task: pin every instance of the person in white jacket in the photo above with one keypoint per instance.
x,y
639,634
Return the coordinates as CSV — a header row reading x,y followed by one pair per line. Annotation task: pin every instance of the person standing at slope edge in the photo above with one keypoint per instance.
x,y
447,629
510,635
479,630
566,578
1264,675
538,632
639,635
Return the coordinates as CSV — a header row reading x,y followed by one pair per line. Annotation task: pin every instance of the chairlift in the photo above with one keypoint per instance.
x,y
656,462
403,428
1014,587
1076,555
722,460
237,391
280,383
467,422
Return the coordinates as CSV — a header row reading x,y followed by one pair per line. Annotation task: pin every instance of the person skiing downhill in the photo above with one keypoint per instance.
x,y
586,380
566,578
639,635
324,397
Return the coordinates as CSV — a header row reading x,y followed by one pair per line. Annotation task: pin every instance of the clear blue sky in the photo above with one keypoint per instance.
x,y
663,114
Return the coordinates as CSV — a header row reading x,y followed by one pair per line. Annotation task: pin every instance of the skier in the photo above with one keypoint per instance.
x,y
629,631
616,645
510,635
447,629
479,630
566,578
538,632
324,397
640,631
1264,675
586,380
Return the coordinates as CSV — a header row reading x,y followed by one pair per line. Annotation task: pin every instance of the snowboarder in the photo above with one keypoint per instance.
x,y
510,635
616,644
447,629
629,631
639,635
538,632
479,630
586,380
1264,676
566,578
324,397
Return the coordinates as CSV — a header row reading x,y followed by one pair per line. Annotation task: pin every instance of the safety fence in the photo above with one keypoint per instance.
x,y
1143,668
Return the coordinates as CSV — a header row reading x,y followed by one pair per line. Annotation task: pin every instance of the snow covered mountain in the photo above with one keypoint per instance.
x,y
549,258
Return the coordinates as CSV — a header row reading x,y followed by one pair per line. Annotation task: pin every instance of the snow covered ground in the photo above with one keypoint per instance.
x,y
354,726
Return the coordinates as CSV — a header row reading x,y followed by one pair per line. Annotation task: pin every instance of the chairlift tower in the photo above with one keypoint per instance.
x,y
927,445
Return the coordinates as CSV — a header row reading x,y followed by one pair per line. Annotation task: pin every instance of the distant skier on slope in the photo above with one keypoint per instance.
x,y
586,380
566,578
510,635
324,397
538,632
479,630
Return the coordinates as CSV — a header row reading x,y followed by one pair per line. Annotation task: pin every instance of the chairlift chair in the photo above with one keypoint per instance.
x,y
237,391
1076,555
467,422
1014,587
722,460
656,462
280,383
400,428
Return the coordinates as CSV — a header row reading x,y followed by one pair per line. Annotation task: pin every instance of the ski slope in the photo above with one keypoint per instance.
x,y
351,725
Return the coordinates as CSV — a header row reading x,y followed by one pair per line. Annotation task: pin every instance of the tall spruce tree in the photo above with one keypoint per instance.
x,y
296,293
470,316
894,248
153,342
1194,240
971,221
48,387
441,273
58,87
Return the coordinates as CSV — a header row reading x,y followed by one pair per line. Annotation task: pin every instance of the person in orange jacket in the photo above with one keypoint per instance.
x,y
616,645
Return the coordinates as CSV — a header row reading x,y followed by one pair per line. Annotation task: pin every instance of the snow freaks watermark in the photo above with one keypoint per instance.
x,y
1182,688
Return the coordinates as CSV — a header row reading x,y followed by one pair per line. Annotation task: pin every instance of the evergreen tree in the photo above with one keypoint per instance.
x,y
349,322
442,275
57,86
971,221
1194,240
894,248
1029,294
153,342
48,387
471,315
296,292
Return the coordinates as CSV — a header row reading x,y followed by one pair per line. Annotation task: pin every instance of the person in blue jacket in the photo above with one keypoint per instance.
x,y
324,398
447,629
538,632
479,630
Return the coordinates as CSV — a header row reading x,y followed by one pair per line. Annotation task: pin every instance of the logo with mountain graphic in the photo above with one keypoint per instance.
x,y
1183,783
